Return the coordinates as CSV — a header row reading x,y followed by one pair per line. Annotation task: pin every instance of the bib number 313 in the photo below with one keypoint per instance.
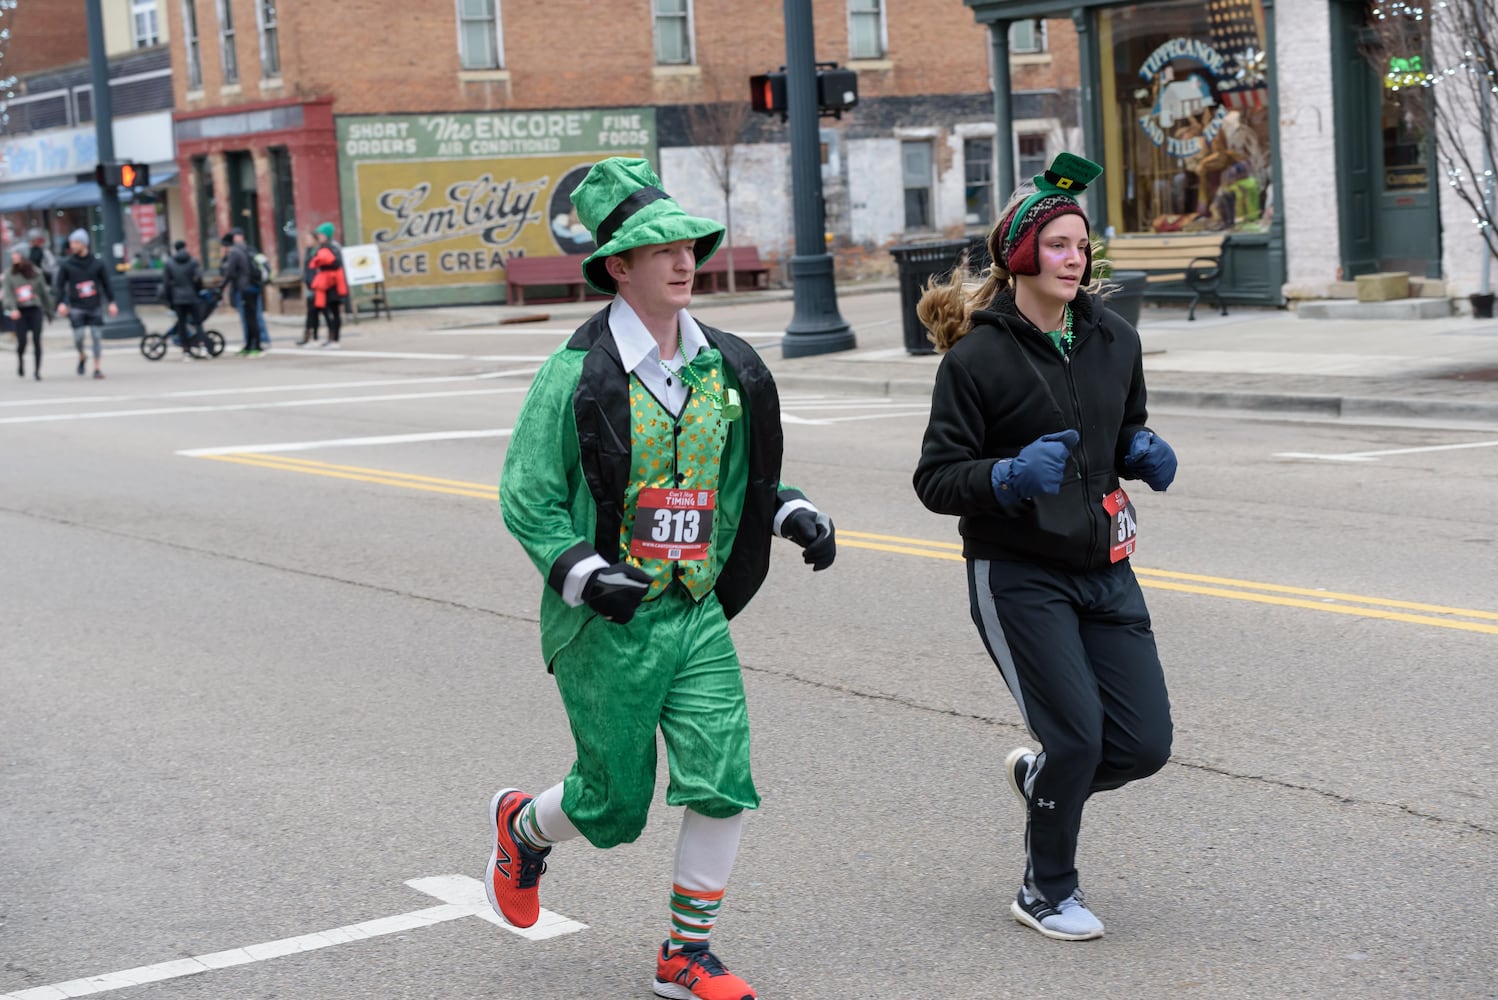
x,y
1125,527
673,524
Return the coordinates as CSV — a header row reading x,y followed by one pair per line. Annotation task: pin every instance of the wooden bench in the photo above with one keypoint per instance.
x,y
746,265
1192,259
565,271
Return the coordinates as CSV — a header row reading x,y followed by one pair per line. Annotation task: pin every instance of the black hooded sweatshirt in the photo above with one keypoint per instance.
x,y
82,282
1002,386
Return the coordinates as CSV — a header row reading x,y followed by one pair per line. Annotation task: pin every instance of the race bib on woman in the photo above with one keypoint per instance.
x,y
1125,527
25,295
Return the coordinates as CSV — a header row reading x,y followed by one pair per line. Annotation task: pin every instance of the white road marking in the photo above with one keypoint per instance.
x,y
791,418
426,356
279,404
260,449
461,897
290,387
521,330
1373,456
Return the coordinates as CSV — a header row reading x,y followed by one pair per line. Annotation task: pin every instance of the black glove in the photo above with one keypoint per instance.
x,y
812,530
616,591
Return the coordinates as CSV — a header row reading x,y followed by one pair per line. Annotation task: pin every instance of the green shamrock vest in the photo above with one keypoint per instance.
x,y
681,453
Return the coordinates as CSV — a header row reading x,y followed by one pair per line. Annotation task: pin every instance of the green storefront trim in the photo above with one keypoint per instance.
x,y
1254,263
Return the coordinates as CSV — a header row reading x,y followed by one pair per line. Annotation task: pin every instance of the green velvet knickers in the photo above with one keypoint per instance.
x,y
674,666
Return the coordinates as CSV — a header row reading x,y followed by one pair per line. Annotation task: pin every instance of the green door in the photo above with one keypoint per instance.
x,y
1387,209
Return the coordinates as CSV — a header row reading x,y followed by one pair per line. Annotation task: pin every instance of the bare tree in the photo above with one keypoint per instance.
x,y
1441,57
715,127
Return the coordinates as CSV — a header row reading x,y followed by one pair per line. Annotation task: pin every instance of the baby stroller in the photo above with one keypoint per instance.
x,y
154,345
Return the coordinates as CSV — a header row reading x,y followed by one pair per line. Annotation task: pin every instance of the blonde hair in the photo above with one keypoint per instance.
x,y
946,308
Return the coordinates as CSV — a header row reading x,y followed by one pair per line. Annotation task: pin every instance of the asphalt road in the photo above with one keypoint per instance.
x,y
268,651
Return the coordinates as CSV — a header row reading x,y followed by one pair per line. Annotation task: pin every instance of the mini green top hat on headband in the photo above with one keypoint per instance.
x,y
1056,190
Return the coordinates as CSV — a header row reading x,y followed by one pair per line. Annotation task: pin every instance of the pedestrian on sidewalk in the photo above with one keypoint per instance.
x,y
643,480
25,299
41,255
243,276
329,285
309,273
81,288
181,281
1038,411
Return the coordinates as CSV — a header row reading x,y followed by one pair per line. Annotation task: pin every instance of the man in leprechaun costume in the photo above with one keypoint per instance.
x,y
643,479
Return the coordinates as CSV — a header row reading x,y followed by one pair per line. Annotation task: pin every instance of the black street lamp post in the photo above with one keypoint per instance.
x,y
125,325
816,326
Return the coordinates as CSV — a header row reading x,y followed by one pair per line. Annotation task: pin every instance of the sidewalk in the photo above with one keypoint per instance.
x,y
1266,360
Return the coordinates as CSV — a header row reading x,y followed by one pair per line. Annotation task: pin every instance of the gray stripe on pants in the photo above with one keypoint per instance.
x,y
993,637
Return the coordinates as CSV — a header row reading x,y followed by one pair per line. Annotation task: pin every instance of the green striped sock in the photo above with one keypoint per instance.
x,y
528,831
693,913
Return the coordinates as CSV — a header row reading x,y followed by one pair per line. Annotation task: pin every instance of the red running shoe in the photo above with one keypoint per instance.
x,y
514,869
697,975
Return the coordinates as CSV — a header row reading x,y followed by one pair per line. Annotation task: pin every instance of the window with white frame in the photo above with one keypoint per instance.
x,y
866,29
977,176
1027,37
915,161
480,41
190,43
226,42
673,32
270,45
1032,158
143,23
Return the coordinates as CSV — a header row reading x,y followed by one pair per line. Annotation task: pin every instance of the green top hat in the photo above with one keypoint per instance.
x,y
623,206
1068,176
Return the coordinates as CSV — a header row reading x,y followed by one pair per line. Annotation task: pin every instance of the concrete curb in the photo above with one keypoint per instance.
x,y
1326,406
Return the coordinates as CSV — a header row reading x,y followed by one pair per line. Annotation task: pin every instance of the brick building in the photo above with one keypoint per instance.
x,y
48,141
451,140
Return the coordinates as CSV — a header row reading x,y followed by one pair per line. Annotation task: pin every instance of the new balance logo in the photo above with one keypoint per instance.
x,y
1045,803
501,861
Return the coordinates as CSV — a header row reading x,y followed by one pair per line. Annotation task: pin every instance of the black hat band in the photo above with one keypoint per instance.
x,y
629,206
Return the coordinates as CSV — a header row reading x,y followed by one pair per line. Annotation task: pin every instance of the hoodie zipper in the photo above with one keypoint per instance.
x,y
1076,405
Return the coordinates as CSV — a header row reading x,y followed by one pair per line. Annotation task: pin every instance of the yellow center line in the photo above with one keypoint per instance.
x,y
1159,579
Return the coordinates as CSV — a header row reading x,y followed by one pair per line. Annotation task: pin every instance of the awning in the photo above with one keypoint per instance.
x,y
19,201
163,177
80,195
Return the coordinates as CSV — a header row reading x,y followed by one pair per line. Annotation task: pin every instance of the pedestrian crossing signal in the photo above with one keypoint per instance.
x,y
126,175
767,93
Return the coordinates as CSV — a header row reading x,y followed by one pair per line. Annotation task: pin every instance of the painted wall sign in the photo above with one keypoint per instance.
x,y
1184,73
449,199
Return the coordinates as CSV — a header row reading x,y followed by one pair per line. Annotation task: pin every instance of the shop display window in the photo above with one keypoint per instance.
x,y
1185,116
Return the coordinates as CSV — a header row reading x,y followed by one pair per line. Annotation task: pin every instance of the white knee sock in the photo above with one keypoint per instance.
x,y
542,823
705,852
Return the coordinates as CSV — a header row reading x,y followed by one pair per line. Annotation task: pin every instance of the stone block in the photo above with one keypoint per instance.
x,y
1342,290
1383,286
1427,288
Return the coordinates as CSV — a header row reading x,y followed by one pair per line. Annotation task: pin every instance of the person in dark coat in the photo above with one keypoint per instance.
x,y
181,281
309,332
1037,412
81,289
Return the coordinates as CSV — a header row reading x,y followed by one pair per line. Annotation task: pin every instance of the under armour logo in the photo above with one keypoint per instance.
x,y
1045,803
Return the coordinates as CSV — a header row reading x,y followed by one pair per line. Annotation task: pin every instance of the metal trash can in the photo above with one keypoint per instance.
x,y
1129,296
917,264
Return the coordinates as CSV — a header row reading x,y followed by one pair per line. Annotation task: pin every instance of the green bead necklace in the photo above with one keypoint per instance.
x,y
1063,335
727,403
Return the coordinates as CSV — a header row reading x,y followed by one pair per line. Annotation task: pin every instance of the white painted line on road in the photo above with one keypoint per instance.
x,y
520,330
462,897
426,356
260,449
279,404
252,389
791,418
1373,456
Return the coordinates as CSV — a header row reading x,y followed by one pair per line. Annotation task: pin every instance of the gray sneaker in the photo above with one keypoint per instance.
x,y
1068,920
1017,769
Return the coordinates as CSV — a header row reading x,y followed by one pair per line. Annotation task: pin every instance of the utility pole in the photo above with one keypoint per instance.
x,y
816,326
125,325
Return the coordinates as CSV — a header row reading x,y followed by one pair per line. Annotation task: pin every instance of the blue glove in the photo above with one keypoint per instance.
x,y
1036,469
1152,460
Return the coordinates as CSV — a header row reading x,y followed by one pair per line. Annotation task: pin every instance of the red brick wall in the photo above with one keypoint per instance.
x,y
563,53
44,35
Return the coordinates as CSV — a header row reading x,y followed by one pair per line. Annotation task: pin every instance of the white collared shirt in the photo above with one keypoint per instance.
x,y
641,356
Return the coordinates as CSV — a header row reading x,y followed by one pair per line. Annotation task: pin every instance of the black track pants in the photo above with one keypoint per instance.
x,y
1077,653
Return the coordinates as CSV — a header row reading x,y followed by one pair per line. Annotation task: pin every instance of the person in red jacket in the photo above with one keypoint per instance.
x,y
329,284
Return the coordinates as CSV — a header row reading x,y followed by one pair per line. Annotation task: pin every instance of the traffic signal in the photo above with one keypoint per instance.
x,y
127,175
767,93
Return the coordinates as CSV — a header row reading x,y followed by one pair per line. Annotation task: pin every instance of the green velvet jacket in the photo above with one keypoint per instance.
x,y
562,488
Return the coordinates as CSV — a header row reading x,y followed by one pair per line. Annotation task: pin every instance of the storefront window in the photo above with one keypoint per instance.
x,y
1186,116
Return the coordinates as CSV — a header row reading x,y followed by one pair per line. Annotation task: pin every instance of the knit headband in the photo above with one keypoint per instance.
x,y
1055,196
